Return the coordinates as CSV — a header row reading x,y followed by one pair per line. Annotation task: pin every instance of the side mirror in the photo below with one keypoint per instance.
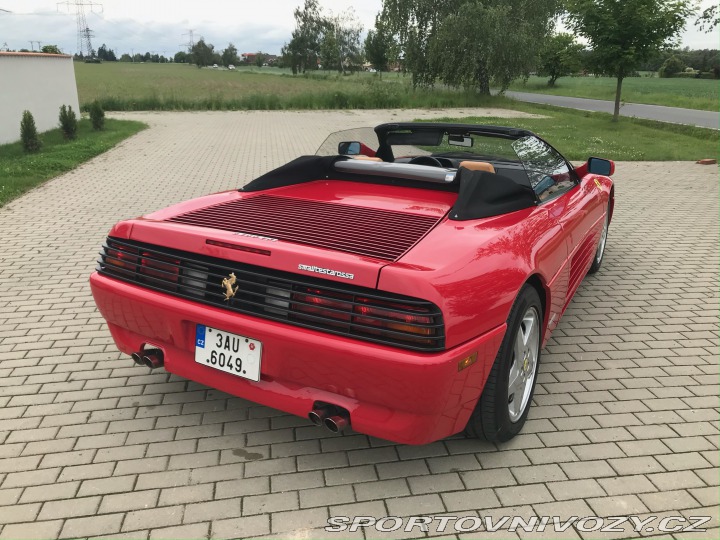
x,y
601,166
350,148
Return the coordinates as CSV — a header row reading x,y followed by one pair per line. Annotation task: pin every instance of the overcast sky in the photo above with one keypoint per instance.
x,y
158,26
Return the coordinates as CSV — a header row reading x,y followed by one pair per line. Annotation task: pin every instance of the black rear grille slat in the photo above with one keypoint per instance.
x,y
259,272
276,295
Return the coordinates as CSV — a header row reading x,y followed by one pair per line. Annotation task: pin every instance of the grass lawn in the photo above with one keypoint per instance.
x,y
581,134
688,93
121,86
20,171
134,86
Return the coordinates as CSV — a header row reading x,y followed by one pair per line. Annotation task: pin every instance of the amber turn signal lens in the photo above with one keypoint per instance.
x,y
467,361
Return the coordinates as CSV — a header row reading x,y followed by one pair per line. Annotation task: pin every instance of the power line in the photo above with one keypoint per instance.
x,y
84,34
191,39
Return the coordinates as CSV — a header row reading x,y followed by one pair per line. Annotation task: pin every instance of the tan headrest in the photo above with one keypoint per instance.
x,y
478,166
367,158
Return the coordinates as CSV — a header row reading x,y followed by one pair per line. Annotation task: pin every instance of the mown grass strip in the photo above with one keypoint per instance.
x,y
20,171
688,93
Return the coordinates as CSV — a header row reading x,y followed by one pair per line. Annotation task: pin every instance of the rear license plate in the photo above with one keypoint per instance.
x,y
231,353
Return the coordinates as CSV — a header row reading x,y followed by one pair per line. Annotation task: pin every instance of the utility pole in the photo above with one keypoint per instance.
x,y
32,45
84,34
191,39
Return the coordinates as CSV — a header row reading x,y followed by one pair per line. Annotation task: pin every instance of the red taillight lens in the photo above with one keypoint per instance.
x,y
376,313
367,316
323,303
159,267
121,257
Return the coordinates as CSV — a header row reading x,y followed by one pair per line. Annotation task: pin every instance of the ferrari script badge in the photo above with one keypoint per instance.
x,y
227,284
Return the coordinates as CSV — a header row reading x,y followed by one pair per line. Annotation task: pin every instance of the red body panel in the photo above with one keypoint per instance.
x,y
472,270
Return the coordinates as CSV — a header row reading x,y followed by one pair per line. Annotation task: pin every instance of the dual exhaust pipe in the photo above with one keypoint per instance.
x,y
332,417
151,358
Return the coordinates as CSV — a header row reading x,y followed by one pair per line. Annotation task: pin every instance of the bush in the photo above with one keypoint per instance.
x,y
672,66
28,133
97,116
68,122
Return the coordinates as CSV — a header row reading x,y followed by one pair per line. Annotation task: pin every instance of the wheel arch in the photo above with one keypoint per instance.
x,y
538,283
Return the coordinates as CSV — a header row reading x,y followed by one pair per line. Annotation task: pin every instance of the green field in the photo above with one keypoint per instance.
x,y
136,86
127,86
581,134
678,92
20,171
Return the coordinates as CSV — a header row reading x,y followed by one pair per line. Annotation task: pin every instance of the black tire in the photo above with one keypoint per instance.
x,y
602,243
491,420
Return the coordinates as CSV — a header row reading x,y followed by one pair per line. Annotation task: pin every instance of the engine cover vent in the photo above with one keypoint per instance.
x,y
381,234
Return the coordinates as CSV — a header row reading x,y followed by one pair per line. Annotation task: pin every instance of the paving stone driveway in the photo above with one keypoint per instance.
x,y
625,419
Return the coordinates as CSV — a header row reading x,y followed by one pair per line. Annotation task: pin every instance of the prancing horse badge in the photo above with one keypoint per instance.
x,y
227,284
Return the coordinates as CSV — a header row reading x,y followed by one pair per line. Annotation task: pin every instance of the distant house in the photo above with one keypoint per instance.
x,y
39,83
249,58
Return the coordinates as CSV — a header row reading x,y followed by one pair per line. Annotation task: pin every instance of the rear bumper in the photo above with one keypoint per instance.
x,y
390,393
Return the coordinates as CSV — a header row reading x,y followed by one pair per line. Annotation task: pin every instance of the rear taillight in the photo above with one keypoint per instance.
x,y
364,315
161,271
325,304
397,318
121,257
373,315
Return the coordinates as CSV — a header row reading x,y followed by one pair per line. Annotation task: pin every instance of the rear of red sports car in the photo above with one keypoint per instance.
x,y
324,297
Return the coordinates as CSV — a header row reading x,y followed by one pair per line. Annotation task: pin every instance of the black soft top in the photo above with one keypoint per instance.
x,y
480,194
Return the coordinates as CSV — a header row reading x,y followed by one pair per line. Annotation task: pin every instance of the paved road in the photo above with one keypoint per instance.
x,y
676,115
624,420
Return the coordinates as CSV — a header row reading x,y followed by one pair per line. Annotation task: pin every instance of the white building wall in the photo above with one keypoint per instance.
x,y
39,83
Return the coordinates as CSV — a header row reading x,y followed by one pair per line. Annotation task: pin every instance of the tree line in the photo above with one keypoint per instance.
x,y
479,44
203,54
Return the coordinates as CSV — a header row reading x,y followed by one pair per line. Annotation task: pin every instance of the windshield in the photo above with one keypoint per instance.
x,y
522,157
368,137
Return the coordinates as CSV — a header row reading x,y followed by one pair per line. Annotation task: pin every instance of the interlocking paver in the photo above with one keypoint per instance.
x,y
625,416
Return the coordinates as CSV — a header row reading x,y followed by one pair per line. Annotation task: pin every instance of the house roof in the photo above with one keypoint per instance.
x,y
40,54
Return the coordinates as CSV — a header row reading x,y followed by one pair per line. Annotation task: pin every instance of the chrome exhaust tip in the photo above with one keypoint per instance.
x,y
153,358
337,423
137,358
319,413
316,417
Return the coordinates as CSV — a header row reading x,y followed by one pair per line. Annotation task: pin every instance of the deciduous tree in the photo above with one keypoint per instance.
x,y
340,46
230,55
672,66
260,59
709,19
624,33
303,49
380,46
559,57
469,43
51,49
202,53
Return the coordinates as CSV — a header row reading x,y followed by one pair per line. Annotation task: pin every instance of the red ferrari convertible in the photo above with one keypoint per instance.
x,y
402,284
